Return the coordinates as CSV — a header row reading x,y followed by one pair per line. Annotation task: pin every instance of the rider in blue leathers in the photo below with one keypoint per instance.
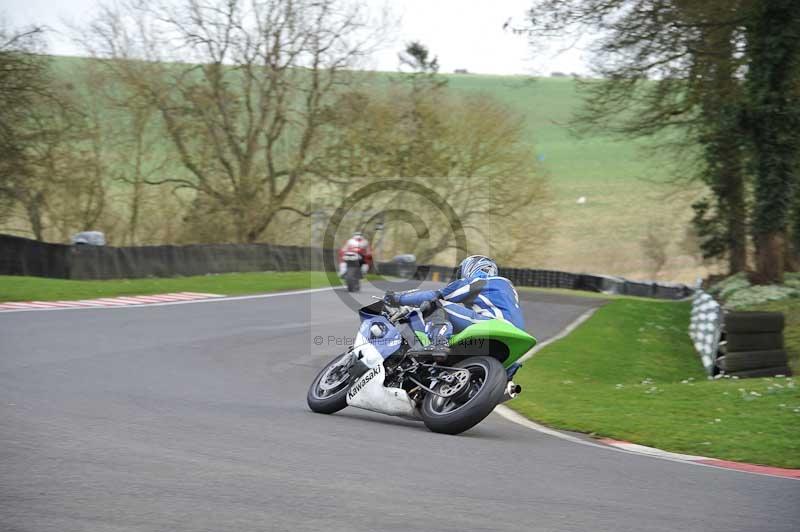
x,y
479,294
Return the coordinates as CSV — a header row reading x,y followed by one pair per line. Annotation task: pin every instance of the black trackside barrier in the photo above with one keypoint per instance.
x,y
559,279
22,256
92,262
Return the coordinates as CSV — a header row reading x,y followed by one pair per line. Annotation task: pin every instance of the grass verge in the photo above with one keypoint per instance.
x,y
630,373
17,288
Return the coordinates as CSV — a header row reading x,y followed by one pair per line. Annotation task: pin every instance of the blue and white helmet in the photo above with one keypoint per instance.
x,y
477,266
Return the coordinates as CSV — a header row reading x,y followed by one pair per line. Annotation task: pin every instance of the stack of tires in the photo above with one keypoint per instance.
x,y
752,345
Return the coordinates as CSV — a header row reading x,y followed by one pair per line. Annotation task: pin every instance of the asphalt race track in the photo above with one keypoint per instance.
x,y
192,417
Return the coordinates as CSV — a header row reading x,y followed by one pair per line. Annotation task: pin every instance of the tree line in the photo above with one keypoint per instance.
x,y
718,83
233,121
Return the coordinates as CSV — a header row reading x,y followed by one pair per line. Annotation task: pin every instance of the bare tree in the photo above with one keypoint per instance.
x,y
655,246
52,170
143,163
240,88
468,150
65,144
137,154
23,77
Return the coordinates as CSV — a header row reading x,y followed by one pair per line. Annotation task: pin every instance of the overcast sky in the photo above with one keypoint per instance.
x,y
462,33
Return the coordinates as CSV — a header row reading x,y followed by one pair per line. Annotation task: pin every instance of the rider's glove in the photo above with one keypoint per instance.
x,y
391,299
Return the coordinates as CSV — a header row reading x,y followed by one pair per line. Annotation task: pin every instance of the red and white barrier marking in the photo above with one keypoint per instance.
x,y
122,301
716,462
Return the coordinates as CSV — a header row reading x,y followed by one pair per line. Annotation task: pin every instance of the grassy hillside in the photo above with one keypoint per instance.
x,y
626,195
627,190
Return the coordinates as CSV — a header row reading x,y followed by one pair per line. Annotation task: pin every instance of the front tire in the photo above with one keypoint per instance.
x,y
488,381
328,392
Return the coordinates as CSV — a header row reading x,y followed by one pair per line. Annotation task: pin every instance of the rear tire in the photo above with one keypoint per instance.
x,y
753,341
762,372
323,403
477,407
753,322
745,360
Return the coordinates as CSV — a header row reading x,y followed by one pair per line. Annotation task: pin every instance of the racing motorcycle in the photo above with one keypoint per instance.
x,y
387,370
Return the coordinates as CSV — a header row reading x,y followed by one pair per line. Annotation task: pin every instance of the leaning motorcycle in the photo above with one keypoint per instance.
x,y
387,370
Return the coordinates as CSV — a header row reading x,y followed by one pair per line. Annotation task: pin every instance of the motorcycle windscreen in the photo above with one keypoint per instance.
x,y
378,334
371,310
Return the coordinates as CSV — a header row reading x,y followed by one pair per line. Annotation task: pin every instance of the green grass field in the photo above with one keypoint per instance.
x,y
625,190
630,373
15,288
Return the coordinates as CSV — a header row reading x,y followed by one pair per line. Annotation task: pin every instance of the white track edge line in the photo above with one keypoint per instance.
x,y
182,302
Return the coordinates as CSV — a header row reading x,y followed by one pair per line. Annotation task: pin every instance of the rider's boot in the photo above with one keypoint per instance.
x,y
439,348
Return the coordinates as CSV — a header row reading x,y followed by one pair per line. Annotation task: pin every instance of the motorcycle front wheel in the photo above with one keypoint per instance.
x,y
328,392
464,410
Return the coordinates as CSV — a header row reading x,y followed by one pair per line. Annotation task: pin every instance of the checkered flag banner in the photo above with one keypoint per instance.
x,y
705,328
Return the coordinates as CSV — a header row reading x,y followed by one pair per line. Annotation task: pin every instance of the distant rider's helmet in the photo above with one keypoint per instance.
x,y
358,241
477,266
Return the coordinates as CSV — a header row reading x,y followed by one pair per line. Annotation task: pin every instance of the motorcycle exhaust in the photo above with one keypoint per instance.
x,y
512,390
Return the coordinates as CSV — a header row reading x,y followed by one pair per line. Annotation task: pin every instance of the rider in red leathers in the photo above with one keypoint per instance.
x,y
356,244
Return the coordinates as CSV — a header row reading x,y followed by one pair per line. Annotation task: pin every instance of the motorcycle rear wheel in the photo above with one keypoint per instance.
x,y
328,392
461,412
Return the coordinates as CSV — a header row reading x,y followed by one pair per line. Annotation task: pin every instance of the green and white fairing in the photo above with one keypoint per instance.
x,y
516,342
